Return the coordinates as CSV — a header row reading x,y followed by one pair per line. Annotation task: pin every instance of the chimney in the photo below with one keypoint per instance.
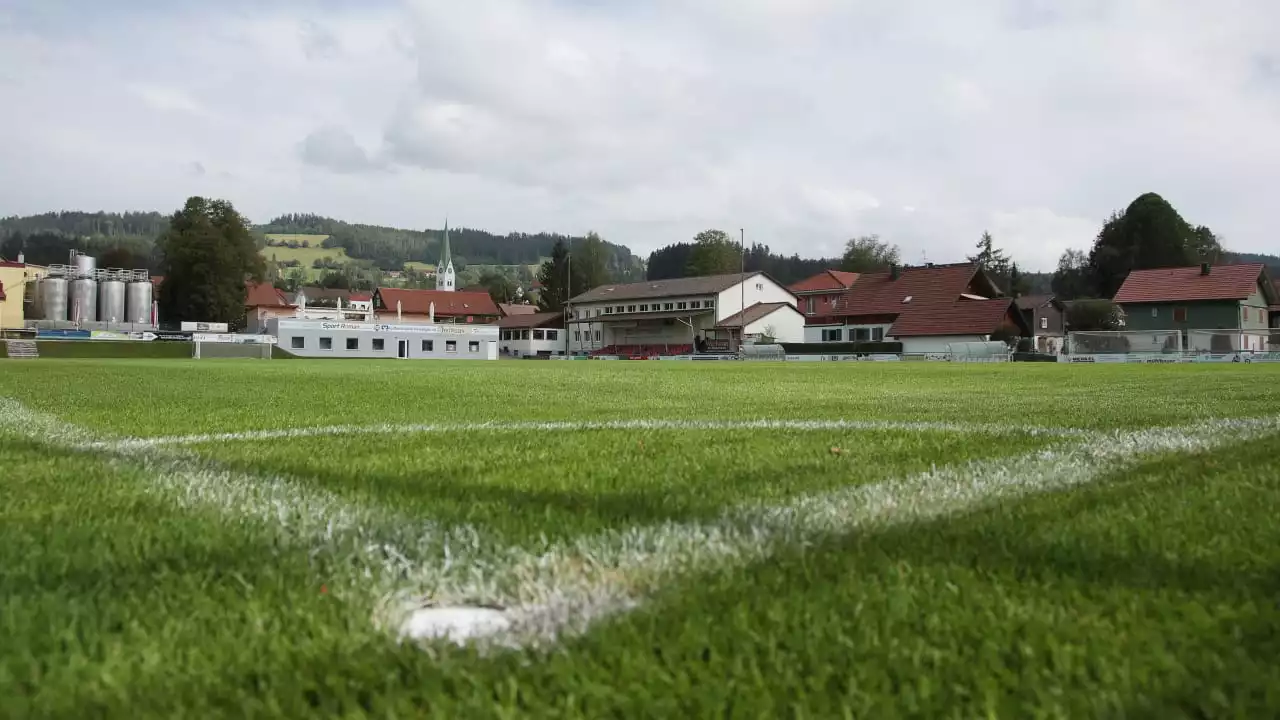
x,y
895,272
1204,268
22,258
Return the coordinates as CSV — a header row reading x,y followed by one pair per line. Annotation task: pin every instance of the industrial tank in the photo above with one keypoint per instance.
x,y
83,303
138,305
36,310
53,298
86,265
111,300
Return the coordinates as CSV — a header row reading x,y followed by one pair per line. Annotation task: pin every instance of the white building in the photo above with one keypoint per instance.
x,y
446,279
670,317
541,334
340,339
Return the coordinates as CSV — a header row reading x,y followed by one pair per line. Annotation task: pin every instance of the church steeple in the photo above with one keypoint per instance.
x,y
445,276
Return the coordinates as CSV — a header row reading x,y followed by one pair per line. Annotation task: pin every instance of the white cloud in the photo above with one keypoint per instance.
x,y
803,121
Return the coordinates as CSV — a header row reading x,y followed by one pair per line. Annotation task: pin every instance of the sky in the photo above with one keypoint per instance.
x,y
801,122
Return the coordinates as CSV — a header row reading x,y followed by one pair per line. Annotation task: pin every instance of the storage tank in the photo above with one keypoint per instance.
x,y
138,302
111,300
53,298
36,309
83,303
86,265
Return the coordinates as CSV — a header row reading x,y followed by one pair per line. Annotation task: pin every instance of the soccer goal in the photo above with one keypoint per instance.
x,y
1230,341
987,352
205,350
1103,342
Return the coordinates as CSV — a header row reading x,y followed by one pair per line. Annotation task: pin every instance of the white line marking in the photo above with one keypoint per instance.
x,y
585,425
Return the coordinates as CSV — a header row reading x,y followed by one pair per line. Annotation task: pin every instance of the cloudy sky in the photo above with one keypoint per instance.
x,y
805,122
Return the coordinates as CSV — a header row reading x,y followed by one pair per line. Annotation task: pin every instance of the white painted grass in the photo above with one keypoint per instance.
x,y
582,425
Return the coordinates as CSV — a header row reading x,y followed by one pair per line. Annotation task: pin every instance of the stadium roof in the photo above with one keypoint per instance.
x,y
674,287
825,281
754,313
448,304
1190,284
534,320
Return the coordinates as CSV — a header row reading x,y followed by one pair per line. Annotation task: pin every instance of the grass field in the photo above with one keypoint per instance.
x,y
305,255
240,538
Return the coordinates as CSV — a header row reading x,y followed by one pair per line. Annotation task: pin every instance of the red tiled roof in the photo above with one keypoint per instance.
x,y
264,295
825,280
448,304
962,317
360,297
536,320
879,294
509,309
1187,284
11,264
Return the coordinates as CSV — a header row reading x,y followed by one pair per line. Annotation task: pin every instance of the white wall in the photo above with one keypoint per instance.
x,y
788,325
421,341
936,344
524,343
759,289
813,333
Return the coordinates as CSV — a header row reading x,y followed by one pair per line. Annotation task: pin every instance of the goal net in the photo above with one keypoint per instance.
x,y
1100,342
205,350
992,351
1232,341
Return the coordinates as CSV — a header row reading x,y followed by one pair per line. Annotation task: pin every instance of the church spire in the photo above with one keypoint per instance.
x,y
445,277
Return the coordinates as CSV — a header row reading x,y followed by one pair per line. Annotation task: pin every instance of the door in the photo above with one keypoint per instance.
x,y
402,349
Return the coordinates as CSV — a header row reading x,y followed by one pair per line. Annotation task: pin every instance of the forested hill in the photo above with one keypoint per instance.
x,y
1271,261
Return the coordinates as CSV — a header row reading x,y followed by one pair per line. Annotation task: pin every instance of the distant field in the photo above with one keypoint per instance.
x,y
420,266
655,539
305,255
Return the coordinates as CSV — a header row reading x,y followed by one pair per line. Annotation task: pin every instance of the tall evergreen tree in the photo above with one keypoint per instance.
x,y
1072,280
207,254
1148,234
557,286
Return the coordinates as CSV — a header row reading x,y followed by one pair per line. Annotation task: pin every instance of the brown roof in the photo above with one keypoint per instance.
x,y
826,280
962,317
1031,302
754,313
536,320
509,309
264,295
675,287
448,304
880,294
1188,284
11,264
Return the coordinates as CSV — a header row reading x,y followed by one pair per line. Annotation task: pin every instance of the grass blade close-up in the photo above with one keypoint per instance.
x,y
248,539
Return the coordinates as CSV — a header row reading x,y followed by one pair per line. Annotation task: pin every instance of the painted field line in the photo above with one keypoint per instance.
x,y
563,590
586,425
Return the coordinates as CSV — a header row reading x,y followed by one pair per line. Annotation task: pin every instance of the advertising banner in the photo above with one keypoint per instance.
x,y
204,327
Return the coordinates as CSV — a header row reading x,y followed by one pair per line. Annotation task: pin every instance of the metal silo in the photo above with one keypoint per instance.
x,y
138,302
53,298
83,303
36,310
111,300
85,265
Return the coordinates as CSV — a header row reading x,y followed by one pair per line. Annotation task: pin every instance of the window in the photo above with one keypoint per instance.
x,y
378,344
428,346
695,304
682,306
353,343
808,305
833,335
473,346
1044,323
597,336
607,311
539,335
553,334
861,334
451,346
326,343
577,336
631,308
1155,312
524,334
597,312
644,308
877,334
1179,314
668,306
618,308
297,343
582,314
760,286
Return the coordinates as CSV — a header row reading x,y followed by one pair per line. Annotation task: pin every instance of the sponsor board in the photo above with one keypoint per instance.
x,y
204,327
64,334
876,357
234,338
1244,357
173,337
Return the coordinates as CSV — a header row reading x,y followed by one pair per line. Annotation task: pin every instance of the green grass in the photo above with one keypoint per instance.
x,y
242,576
305,255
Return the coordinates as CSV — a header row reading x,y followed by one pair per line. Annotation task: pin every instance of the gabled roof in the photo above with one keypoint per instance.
x,y
962,317
880,294
262,295
1189,284
675,287
535,320
754,313
1031,302
509,309
827,280
448,304
11,264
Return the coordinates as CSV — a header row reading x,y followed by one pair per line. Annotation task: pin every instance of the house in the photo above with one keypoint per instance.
x,y
818,295
533,335
415,306
670,317
767,321
14,277
264,302
926,308
509,309
1201,300
1047,318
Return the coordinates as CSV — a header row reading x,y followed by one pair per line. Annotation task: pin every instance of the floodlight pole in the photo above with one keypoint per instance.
x,y
742,289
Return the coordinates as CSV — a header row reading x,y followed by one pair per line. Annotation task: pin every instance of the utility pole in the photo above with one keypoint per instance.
x,y
742,288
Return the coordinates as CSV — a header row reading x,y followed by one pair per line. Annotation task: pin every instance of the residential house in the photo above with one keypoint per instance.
x,y
1200,300
926,308
533,335
14,277
1046,316
817,296
414,306
264,302
675,316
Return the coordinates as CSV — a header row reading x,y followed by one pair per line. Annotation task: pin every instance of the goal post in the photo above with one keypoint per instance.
x,y
208,350
1220,342
1109,342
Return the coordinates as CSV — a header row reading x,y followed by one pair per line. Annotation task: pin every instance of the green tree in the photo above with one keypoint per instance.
x,y
501,288
1094,314
557,286
1019,285
590,263
207,254
713,253
868,254
1072,279
993,260
1148,234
